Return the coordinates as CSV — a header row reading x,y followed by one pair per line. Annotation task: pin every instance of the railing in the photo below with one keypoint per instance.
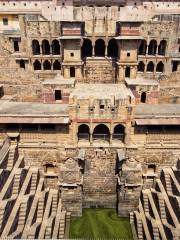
x,y
118,136
163,138
83,136
98,136
4,149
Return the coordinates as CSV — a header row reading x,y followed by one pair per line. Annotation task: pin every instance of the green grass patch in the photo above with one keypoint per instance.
x,y
100,223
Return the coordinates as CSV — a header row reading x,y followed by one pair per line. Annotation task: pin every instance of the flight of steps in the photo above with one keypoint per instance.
x,y
158,210
146,203
54,204
27,207
48,232
15,189
1,216
40,210
162,209
99,70
62,224
11,156
140,229
33,181
168,183
22,213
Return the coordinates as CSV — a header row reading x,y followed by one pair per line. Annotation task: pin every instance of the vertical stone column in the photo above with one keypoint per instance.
x,y
147,49
41,49
42,66
145,67
51,65
133,72
91,134
121,74
154,72
111,133
93,50
66,72
78,73
106,53
127,138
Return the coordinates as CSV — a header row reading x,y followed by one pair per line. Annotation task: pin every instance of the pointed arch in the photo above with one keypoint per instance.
x,y
160,67
55,47
56,65
86,49
47,65
141,67
152,47
37,65
162,48
112,48
35,47
142,48
150,67
45,47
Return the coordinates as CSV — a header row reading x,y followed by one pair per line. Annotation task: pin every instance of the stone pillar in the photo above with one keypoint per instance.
x,y
147,49
111,134
41,49
51,66
133,72
178,67
91,134
106,51
154,72
121,74
93,50
66,72
42,66
156,50
78,73
127,134
50,45
145,67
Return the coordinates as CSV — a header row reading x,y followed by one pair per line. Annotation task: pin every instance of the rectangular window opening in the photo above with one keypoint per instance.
x,y
16,46
5,21
101,106
58,95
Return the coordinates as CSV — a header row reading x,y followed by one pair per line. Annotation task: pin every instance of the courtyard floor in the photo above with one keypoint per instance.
x,y
100,224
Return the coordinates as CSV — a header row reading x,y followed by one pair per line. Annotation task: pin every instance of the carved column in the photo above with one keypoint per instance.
x,y
66,72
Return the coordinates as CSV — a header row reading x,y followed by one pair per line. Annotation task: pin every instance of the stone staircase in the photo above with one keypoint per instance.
x,y
99,70
34,181
100,171
54,204
27,208
22,214
162,208
146,204
11,156
1,217
48,231
40,210
158,211
168,183
15,189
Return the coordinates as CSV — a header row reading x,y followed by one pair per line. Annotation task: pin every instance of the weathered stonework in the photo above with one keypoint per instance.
x,y
89,97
